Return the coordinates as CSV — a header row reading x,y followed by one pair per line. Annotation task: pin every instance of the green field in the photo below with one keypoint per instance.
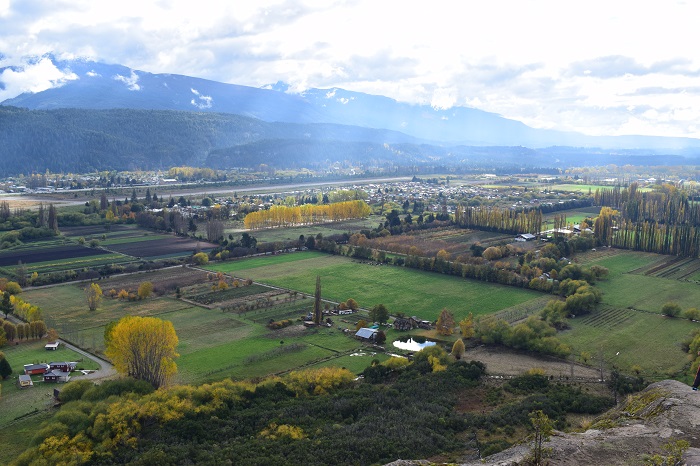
x,y
402,290
629,320
624,289
626,338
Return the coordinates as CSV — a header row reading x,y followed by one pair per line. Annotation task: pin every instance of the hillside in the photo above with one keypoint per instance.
x,y
665,411
83,140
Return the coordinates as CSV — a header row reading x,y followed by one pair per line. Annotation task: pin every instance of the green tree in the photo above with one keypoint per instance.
x,y
21,273
671,309
379,313
318,310
5,369
93,294
380,337
543,428
5,305
3,338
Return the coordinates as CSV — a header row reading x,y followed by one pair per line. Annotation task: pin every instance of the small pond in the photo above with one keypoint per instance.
x,y
413,343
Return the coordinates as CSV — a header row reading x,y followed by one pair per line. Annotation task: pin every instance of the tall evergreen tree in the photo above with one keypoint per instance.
x,y
318,310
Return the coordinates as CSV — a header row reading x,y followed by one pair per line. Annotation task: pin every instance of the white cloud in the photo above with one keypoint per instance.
x,y
548,63
202,101
93,74
32,77
131,82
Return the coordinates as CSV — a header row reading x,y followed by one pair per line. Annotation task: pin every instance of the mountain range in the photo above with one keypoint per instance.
x,y
97,120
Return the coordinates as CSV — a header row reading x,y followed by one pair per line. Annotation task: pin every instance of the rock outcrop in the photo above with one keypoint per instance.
x,y
664,412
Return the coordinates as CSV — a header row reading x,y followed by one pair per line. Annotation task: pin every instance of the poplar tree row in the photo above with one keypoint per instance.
x,y
281,216
499,220
668,204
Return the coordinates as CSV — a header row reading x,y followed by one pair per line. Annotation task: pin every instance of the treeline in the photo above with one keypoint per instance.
x,y
512,221
499,220
307,214
667,204
664,221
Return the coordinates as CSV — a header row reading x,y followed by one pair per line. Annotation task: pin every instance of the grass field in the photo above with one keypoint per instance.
x,y
626,338
629,320
402,290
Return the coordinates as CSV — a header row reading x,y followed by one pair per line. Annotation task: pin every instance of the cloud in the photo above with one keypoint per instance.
x,y
36,75
93,74
131,82
618,65
202,101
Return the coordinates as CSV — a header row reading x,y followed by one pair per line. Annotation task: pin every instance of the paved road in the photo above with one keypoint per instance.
x,y
106,369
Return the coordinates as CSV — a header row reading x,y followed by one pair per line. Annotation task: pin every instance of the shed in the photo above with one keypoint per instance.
x,y
25,381
525,237
52,346
366,334
35,369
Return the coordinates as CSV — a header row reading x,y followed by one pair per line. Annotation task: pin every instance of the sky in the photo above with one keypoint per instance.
x,y
610,67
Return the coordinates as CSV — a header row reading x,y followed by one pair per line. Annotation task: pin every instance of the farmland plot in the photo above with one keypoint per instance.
x,y
402,290
165,246
52,253
625,338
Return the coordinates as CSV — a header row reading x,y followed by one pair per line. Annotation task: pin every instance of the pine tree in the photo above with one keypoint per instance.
x,y
318,310
5,369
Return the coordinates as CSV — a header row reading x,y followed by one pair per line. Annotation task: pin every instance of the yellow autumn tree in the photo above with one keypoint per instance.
x,y
466,326
446,323
144,348
93,294
145,290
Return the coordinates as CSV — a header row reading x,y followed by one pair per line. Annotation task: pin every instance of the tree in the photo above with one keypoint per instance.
x,y
351,304
379,313
52,335
5,369
360,324
145,290
3,338
446,323
10,330
53,218
380,337
318,310
458,349
671,309
93,294
543,427
200,258
21,274
144,348
466,326
5,305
